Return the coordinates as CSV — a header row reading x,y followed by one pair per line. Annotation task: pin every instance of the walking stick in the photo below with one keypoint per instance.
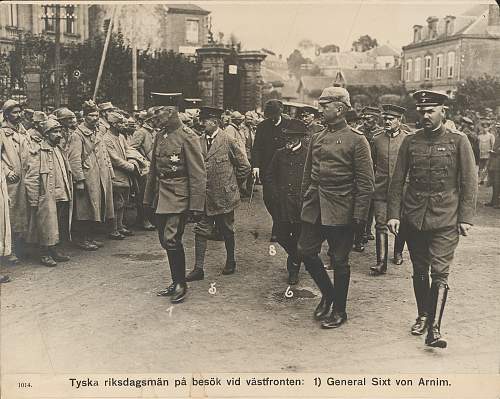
x,y
251,195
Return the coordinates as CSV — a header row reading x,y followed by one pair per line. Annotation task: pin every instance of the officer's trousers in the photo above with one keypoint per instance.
x,y
270,203
288,236
171,229
340,240
432,249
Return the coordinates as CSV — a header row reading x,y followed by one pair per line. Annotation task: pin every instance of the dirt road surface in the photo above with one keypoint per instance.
x,y
99,313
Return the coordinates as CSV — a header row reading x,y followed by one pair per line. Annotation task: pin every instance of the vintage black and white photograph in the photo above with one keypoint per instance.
x,y
249,187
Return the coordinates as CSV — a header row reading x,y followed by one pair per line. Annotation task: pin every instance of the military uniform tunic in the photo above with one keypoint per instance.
x,y
441,192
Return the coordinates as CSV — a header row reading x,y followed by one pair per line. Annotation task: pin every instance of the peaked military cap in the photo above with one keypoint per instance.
x,y
429,99
370,111
335,93
295,127
393,110
115,118
210,112
89,106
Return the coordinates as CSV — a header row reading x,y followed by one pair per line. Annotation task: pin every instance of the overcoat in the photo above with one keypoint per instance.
x,y
227,165
90,163
5,238
40,191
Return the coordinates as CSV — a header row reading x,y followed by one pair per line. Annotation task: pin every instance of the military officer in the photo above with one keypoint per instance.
x,y
176,186
285,177
67,119
337,187
309,115
385,147
437,207
104,109
227,168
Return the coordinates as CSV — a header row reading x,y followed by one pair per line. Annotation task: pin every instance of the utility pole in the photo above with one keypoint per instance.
x,y
57,60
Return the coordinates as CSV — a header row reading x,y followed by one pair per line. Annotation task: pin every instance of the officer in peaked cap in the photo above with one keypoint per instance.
x,y
67,119
175,190
310,115
385,147
210,113
436,168
336,198
104,110
285,177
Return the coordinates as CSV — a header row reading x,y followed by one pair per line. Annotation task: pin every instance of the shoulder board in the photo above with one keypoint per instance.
x,y
377,133
455,131
357,131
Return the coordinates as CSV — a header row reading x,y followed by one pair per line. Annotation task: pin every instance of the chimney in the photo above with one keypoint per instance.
x,y
449,22
417,33
494,15
432,26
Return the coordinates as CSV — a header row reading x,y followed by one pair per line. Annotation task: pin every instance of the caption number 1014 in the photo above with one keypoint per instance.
x,y
24,385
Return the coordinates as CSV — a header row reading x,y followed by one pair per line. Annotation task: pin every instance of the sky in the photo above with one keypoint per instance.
x,y
280,25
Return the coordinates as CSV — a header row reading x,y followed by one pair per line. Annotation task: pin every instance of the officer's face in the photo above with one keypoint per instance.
x,y
391,123
431,118
371,120
210,125
308,118
14,115
92,118
54,136
332,110
69,122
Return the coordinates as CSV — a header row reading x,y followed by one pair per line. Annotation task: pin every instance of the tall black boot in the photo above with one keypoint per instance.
x,y
382,246
293,266
317,271
438,295
230,266
358,242
177,261
421,288
340,290
399,244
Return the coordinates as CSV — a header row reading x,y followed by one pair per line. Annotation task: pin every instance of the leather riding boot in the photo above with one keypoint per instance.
x,y
317,271
382,247
399,244
230,266
438,295
180,291
341,289
421,288
177,261
293,266
358,243
200,248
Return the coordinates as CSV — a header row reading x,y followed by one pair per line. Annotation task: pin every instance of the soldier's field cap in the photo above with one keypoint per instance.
x,y
273,107
370,111
334,93
115,117
237,116
39,116
295,127
64,113
427,99
9,104
50,124
469,121
89,106
106,106
210,113
393,110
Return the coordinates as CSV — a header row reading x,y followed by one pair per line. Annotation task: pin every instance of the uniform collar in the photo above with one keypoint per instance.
x,y
337,125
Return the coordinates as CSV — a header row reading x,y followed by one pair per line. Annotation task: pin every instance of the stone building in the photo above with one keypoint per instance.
x,y
181,28
19,19
451,49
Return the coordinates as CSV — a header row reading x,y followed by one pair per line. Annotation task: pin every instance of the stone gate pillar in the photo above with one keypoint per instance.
x,y
211,76
33,87
251,80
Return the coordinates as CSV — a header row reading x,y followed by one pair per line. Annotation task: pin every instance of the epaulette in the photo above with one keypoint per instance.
x,y
357,131
456,131
377,133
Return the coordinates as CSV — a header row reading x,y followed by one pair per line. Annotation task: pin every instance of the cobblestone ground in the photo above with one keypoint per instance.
x,y
99,313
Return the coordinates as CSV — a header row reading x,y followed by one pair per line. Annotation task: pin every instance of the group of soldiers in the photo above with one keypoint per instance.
x,y
324,176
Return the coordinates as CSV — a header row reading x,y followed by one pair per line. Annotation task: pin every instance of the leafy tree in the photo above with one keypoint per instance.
x,y
364,43
477,94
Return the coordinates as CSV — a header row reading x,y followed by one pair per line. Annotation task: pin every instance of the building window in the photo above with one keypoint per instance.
x,y
192,31
427,66
13,19
439,66
451,64
409,65
418,64
49,15
71,19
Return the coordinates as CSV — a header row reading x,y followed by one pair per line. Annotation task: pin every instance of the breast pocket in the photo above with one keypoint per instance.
x,y
443,156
